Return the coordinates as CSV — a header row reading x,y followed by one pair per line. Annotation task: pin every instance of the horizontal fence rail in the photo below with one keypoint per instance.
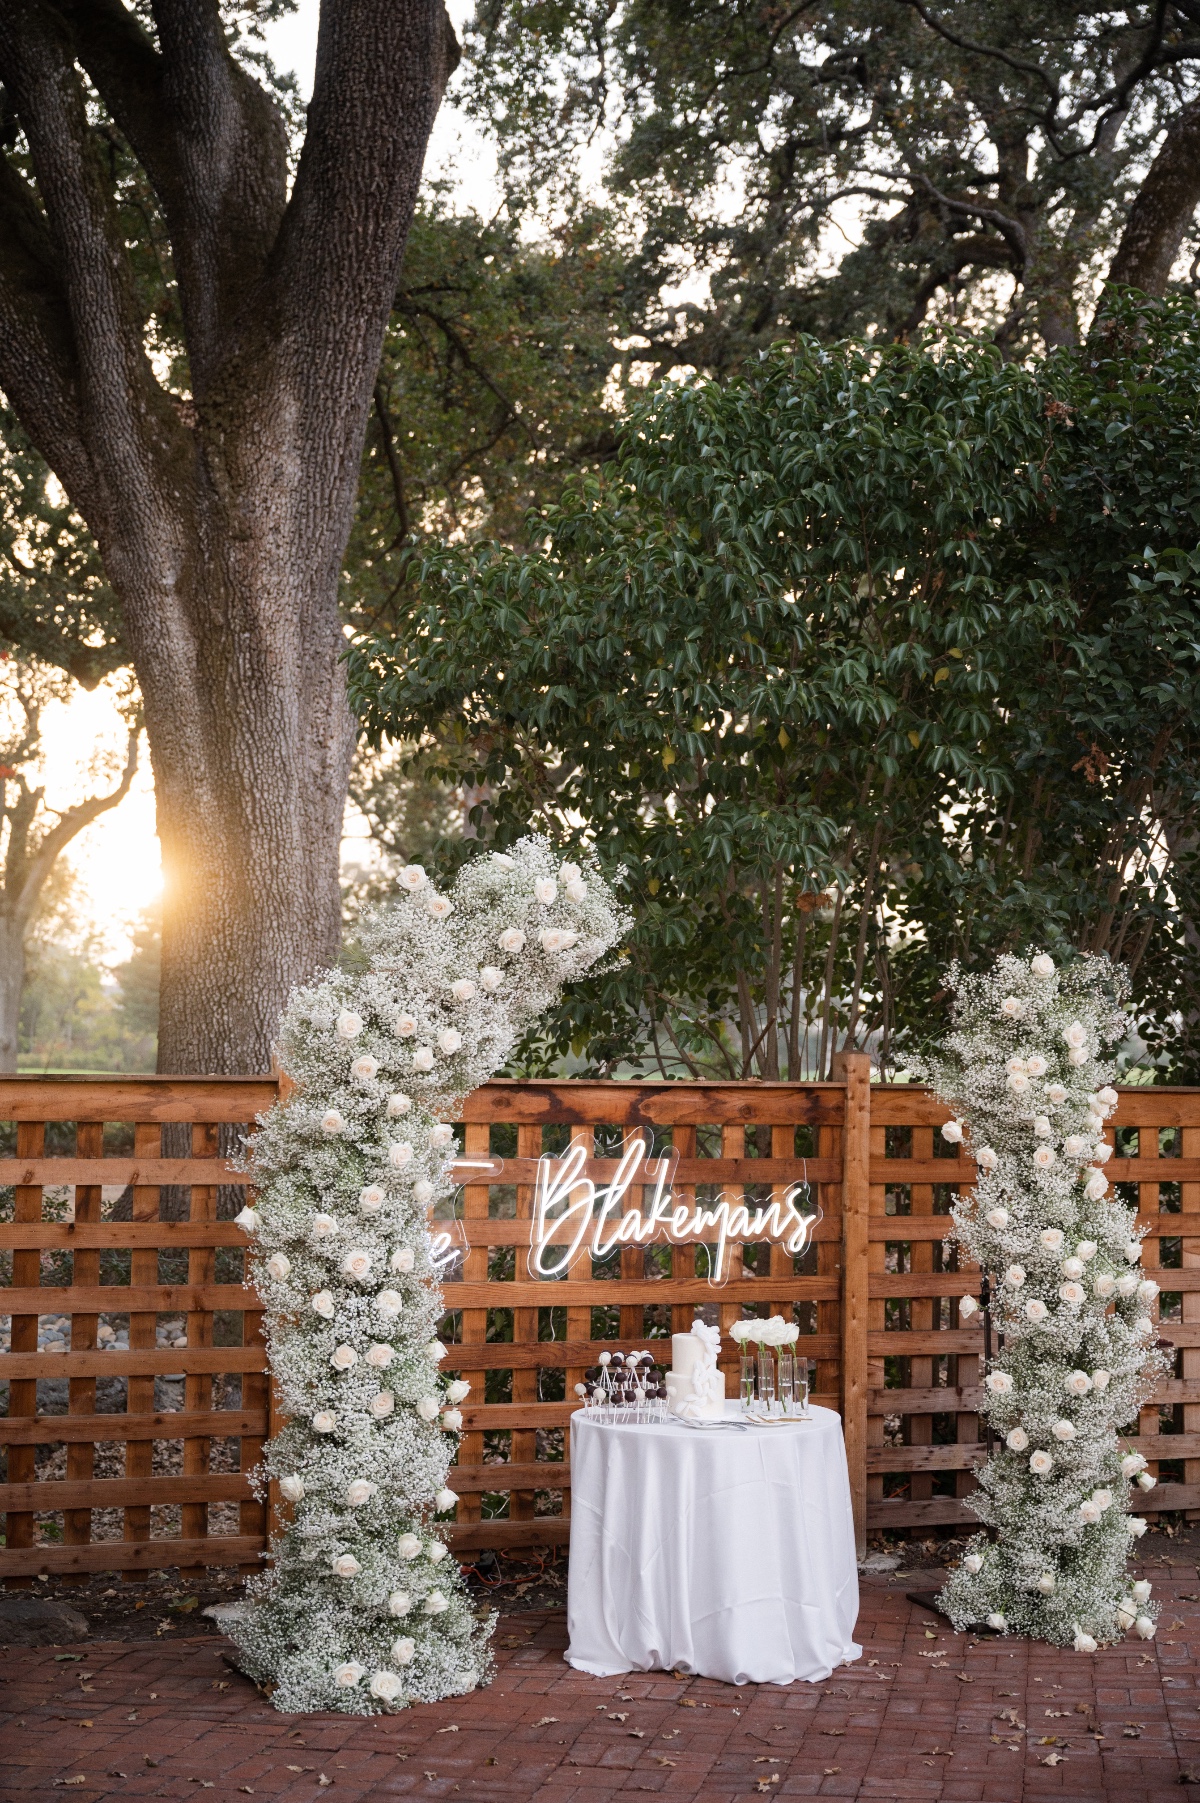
x,y
135,1371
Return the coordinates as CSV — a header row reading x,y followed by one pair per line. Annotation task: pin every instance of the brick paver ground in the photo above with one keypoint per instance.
x,y
926,1715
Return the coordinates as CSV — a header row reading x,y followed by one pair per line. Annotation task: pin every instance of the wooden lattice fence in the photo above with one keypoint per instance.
x,y
138,1398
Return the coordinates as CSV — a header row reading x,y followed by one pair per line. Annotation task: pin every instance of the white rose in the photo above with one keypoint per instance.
x,y
986,1159
1052,1239
400,1153
569,873
1083,1643
403,1649
999,1383
1132,1463
411,877
1041,1126
1086,1250
1041,1463
1146,1481
1096,1186
1104,1285
997,1621
382,1404
1127,1283
973,1563
436,1551
1042,966
1046,1584
967,1307
1056,1093
348,1675
435,1351
445,1499
360,1491
423,1058
1143,1327
441,1135
1103,1152
1077,1383
1071,1293
462,989
1072,1267
1078,1055
491,978
546,890
343,1358
1107,1096
1044,1157
435,1603
379,1356
952,1131
423,1192
386,1686
997,1218
458,1390
408,1546
389,1303
1100,1378
1036,1310
324,1226
427,1408
1075,1034
1089,1511
1102,1499
449,1041
575,892
1014,1065
452,1420
349,1025
1015,1275
402,1259
247,1220
322,1304
1140,1592
512,940
1075,1146
278,1266
1012,1007
1143,1627
324,1422
1018,1082
1064,1431
557,939
1133,1250
357,1265
438,907
1136,1526
398,1104
1036,1066
399,1603
365,1068
1126,1613
1016,1439
371,1199
1147,1290
292,1488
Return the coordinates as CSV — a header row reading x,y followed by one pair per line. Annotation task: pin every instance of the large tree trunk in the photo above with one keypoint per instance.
x,y
1163,208
222,517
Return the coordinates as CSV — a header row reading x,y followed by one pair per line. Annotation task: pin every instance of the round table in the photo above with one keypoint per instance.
x,y
725,1552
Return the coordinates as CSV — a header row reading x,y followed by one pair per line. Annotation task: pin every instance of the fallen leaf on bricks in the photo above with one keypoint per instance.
x,y
322,1779
452,1729
1132,1731
615,1715
834,1733
659,1760
765,1759
79,1778
635,1733
1052,1759
547,1719
686,1703
831,1769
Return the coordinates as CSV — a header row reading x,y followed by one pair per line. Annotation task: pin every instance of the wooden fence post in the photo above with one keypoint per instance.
x,y
854,1070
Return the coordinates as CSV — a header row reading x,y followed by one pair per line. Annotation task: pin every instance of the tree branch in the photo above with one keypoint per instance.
x,y
69,826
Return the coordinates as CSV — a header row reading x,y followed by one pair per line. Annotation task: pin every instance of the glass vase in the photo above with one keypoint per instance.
x,y
766,1380
787,1382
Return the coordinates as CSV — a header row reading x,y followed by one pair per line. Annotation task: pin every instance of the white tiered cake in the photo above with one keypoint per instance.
x,y
695,1386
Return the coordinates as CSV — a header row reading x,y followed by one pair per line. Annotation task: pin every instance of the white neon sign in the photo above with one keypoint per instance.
x,y
563,1196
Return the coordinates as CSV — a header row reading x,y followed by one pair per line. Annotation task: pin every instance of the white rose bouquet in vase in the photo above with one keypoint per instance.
x,y
363,1609
1027,1071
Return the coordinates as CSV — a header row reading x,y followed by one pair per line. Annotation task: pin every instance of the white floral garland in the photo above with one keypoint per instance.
x,y
362,1609
1025,1067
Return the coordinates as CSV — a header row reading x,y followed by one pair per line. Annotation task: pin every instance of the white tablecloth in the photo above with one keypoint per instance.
x,y
729,1554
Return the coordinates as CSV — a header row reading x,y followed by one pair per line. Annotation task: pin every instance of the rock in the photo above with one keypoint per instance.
x,y
36,1621
879,1562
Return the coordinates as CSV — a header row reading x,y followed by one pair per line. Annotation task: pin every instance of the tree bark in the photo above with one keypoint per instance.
x,y
12,984
1162,210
